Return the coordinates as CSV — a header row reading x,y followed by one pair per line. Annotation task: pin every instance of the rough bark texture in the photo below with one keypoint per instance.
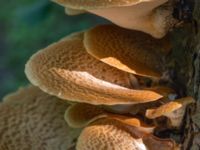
x,y
185,60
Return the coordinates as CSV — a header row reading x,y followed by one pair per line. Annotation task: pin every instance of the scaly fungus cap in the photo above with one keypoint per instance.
x,y
66,70
109,133
131,51
29,118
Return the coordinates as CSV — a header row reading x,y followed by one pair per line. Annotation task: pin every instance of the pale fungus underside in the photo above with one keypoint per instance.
x,y
150,16
91,4
80,115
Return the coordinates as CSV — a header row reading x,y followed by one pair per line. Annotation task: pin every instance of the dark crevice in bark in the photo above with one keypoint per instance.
x,y
186,55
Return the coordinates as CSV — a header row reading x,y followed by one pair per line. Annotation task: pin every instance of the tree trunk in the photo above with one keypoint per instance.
x,y
185,60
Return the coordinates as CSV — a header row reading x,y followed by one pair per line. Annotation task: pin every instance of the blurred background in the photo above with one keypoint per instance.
x,y
27,26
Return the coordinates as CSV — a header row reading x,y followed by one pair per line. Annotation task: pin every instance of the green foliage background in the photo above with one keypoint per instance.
x,y
27,26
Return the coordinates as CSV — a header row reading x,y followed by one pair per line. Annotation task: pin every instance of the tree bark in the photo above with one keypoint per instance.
x,y
185,61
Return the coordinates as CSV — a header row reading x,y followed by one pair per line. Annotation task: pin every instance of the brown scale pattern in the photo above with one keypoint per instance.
x,y
105,137
66,70
33,120
136,52
70,55
110,134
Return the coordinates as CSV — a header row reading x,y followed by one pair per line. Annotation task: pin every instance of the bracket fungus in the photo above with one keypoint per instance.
x,y
111,133
105,131
150,16
129,51
66,70
174,110
110,66
102,70
33,120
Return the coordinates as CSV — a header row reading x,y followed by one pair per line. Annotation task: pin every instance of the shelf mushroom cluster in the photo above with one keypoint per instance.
x,y
95,67
111,74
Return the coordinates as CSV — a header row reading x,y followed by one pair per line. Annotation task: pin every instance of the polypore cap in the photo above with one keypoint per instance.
x,y
131,51
29,118
108,133
66,70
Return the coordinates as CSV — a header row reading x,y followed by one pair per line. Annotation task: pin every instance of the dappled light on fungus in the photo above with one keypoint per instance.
x,y
130,51
73,74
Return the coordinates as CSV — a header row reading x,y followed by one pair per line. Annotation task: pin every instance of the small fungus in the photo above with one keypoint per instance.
x,y
174,110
